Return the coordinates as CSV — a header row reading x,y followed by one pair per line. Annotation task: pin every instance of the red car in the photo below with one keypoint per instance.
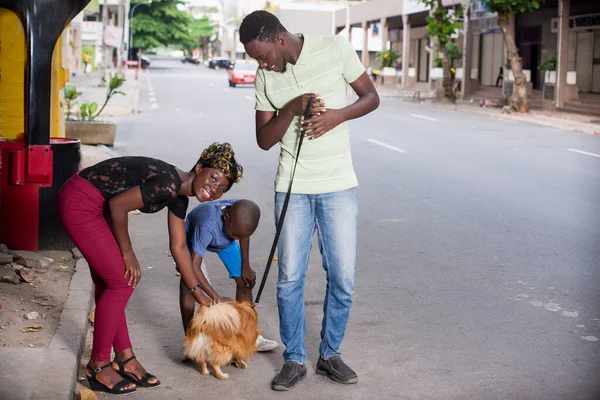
x,y
243,72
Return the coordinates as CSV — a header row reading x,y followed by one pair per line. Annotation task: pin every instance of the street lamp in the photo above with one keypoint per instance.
x,y
131,25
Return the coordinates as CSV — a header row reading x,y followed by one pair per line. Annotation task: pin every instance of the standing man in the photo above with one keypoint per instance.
x,y
86,61
292,69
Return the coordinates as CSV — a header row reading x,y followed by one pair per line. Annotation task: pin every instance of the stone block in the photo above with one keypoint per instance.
x,y
5,258
33,260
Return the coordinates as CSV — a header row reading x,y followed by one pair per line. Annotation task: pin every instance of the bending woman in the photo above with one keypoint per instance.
x,y
93,206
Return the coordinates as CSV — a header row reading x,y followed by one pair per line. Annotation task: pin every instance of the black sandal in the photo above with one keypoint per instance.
x,y
98,386
143,381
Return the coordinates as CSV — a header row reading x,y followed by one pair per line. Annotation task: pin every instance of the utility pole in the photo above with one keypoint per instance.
x,y
122,44
105,56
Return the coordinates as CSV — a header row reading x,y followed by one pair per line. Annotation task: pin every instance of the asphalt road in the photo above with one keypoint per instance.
x,y
478,256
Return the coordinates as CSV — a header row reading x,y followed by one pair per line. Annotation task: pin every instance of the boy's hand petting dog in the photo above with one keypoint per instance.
x,y
248,276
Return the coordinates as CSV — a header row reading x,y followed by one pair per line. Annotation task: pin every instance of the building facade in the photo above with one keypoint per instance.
x,y
568,30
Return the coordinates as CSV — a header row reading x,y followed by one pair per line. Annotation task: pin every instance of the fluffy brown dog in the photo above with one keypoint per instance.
x,y
220,334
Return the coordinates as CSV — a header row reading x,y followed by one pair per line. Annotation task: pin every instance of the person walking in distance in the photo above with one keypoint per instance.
x,y
86,61
294,68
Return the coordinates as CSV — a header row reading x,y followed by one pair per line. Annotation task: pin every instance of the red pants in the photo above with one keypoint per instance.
x,y
81,208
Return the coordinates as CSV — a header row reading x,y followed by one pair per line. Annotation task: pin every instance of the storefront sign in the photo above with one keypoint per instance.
x,y
485,25
113,36
579,22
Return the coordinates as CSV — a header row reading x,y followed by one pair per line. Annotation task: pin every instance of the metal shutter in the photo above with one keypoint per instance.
x,y
475,57
596,66
487,59
584,60
423,76
499,56
572,51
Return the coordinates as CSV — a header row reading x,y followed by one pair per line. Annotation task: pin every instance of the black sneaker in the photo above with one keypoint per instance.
x,y
336,370
290,374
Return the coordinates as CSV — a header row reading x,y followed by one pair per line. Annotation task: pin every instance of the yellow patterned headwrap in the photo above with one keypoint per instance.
x,y
221,156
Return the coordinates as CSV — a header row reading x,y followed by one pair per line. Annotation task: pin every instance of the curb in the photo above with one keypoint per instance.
x,y
61,363
532,121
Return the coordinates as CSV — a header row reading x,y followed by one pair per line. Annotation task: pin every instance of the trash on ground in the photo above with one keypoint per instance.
x,y
32,315
32,329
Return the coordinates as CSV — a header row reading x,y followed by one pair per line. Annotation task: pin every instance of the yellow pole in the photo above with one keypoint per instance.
x,y
12,75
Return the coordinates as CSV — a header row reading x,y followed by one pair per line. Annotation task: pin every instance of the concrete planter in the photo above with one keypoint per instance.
x,y
509,76
436,73
550,77
92,132
388,71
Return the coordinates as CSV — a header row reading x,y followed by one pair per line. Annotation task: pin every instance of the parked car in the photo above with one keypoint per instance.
x,y
243,72
190,59
176,54
145,62
219,62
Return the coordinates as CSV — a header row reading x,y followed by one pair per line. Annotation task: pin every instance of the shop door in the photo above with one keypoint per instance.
x,y
492,57
423,75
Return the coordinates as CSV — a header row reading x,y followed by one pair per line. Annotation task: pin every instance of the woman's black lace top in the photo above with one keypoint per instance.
x,y
158,182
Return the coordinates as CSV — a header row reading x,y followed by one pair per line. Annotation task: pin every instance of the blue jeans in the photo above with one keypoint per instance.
x,y
334,216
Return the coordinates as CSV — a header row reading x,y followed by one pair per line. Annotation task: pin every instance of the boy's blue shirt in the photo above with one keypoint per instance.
x,y
204,227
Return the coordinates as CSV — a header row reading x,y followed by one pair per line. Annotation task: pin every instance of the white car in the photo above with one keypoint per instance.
x,y
176,54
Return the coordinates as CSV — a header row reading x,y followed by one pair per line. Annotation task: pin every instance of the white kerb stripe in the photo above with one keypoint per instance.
x,y
389,146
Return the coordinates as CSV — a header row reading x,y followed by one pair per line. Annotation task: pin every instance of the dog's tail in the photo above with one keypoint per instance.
x,y
221,317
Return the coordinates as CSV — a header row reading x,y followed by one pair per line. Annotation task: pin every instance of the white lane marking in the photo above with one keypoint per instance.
x,y
584,152
423,117
389,146
225,90
153,101
249,97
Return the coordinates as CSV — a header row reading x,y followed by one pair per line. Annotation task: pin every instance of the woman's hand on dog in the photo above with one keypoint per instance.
x,y
132,269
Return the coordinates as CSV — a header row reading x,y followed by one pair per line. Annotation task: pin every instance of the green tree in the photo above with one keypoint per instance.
x,y
160,23
200,32
521,98
442,24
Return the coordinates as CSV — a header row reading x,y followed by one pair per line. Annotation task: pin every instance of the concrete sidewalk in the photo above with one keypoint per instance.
x,y
50,373
119,105
564,120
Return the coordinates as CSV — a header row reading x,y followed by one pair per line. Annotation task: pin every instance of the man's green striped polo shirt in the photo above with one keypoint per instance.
x,y
325,66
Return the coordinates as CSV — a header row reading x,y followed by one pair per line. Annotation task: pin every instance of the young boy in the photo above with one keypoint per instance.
x,y
217,226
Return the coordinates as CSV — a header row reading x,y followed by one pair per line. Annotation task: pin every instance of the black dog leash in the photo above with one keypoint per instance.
x,y
285,205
